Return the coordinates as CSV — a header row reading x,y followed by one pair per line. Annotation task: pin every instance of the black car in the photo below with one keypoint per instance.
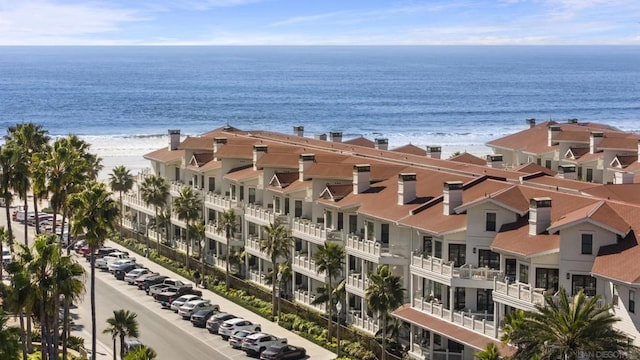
x,y
152,280
213,324
282,352
100,253
200,317
119,274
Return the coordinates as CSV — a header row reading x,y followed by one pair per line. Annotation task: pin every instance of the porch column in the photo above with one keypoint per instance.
x,y
431,345
496,319
452,291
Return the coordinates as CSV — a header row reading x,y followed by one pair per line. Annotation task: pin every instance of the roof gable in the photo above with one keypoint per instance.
x,y
599,214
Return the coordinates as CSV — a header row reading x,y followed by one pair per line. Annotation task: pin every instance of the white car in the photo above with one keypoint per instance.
x,y
194,306
131,276
257,343
119,264
230,326
175,305
6,256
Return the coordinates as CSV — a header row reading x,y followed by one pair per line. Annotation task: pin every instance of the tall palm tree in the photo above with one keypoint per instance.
x,y
187,206
490,352
142,353
123,323
68,277
4,238
277,245
330,259
94,213
6,182
22,297
120,180
162,223
199,230
565,327
227,223
155,191
384,294
19,178
9,339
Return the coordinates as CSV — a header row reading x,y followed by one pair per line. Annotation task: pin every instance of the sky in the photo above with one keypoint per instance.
x,y
320,22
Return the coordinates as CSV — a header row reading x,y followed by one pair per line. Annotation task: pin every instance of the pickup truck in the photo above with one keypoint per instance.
x,y
171,293
255,344
103,262
166,283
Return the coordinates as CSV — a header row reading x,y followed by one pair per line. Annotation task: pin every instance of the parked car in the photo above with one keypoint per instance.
x,y
100,252
151,280
139,281
6,256
238,337
171,294
214,322
255,344
105,261
282,352
131,345
200,317
131,275
167,283
120,264
122,272
175,305
229,327
190,308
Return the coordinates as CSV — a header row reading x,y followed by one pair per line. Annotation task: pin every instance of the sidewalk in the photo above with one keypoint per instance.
x,y
313,351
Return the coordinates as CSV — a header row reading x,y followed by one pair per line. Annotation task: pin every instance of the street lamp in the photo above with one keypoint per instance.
x,y
279,277
147,221
339,308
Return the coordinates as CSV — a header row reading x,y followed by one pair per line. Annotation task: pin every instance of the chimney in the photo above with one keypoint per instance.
x,y
552,134
361,178
382,143
452,196
298,131
304,162
174,139
567,172
539,215
531,122
494,161
572,121
434,152
258,151
218,143
322,137
623,178
406,188
594,140
335,136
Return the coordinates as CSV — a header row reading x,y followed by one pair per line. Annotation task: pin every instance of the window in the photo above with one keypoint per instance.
x,y
328,219
489,259
458,254
233,192
632,301
241,193
297,209
384,234
369,230
459,301
484,300
437,251
252,195
427,245
524,273
586,282
547,164
614,300
580,172
547,279
212,184
276,205
340,221
587,244
490,224
353,224
177,174
589,175
510,269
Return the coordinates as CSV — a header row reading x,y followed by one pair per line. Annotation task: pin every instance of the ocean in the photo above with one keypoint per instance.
x,y
124,99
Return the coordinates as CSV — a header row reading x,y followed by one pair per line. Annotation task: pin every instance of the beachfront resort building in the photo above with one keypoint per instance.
x,y
471,240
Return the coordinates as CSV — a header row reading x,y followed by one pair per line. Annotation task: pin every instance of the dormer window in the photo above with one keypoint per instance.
x,y
587,244
490,221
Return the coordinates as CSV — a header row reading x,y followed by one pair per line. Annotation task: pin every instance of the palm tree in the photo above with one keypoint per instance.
x,y
154,191
330,259
22,295
122,324
4,237
565,327
384,294
199,230
161,224
227,223
9,339
277,245
70,286
6,182
490,352
120,180
94,214
187,206
142,353
19,178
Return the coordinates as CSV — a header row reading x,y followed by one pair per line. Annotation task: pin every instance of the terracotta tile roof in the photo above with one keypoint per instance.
x,y
511,198
621,192
533,140
575,153
297,186
235,152
554,182
619,261
197,143
243,173
165,155
336,192
432,220
586,158
514,238
449,329
330,171
599,213
573,136
620,141
201,159
411,149
361,141
280,160
224,131
625,160
532,168
211,165
467,158
284,179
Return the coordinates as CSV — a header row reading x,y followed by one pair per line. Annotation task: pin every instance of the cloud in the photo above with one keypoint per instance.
x,y
38,22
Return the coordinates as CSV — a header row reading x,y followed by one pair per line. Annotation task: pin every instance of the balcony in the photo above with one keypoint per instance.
x,y
217,202
303,297
444,272
480,323
367,324
135,203
356,284
175,187
211,231
307,266
259,278
373,251
259,215
177,221
252,246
